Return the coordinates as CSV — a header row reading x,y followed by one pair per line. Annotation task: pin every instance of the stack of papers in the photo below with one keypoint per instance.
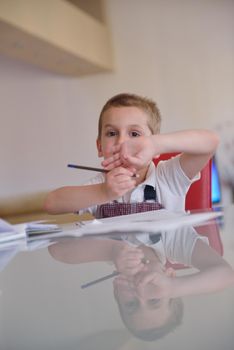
x,y
9,232
41,228
12,233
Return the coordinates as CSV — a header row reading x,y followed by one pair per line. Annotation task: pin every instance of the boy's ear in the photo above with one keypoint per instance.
x,y
99,148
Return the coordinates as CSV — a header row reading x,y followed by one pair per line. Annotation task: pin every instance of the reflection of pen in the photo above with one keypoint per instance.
x,y
101,170
113,274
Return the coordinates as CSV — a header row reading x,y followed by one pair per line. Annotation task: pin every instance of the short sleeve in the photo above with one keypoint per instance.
x,y
172,184
179,244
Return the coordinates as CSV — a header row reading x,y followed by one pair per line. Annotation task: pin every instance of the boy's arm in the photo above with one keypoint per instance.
x,y
83,250
70,199
214,274
196,146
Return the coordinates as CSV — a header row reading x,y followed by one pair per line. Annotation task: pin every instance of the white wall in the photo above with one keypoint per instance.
x,y
178,52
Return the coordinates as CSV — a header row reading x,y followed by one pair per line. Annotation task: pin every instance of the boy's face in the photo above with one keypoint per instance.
x,y
140,313
120,124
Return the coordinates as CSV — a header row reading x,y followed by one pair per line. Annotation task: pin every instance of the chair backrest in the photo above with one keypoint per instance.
x,y
199,194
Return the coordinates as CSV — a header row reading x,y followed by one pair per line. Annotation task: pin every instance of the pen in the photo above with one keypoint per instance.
x,y
87,168
92,168
89,284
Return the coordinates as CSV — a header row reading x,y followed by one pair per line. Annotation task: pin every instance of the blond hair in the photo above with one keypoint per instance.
x,y
131,100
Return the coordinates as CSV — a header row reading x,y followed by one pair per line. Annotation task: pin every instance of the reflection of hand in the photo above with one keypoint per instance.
x,y
154,284
128,259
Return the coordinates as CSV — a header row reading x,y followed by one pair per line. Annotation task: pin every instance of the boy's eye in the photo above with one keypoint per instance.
x,y
111,133
131,306
153,302
135,133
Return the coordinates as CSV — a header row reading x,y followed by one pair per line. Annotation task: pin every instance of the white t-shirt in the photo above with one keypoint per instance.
x,y
177,245
168,179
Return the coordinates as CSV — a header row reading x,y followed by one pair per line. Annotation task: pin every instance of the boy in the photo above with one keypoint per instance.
x,y
128,139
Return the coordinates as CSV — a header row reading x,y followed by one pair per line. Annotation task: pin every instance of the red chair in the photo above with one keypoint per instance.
x,y
199,194
199,198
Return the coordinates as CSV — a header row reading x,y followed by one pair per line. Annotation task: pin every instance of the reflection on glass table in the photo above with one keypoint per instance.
x,y
146,287
166,289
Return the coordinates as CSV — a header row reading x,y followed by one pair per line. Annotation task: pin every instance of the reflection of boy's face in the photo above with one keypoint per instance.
x,y
138,312
120,124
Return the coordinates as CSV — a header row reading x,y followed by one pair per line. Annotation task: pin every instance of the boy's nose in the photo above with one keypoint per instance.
x,y
121,139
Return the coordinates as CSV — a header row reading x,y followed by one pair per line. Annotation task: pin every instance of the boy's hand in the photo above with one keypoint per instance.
x,y
128,259
154,284
114,160
136,153
118,182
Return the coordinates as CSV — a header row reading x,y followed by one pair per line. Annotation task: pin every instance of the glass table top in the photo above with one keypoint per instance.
x,y
170,290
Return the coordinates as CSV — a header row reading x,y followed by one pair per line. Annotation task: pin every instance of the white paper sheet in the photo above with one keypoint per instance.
x,y
150,222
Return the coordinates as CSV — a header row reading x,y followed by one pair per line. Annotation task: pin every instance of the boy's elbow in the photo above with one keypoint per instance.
x,y
214,141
